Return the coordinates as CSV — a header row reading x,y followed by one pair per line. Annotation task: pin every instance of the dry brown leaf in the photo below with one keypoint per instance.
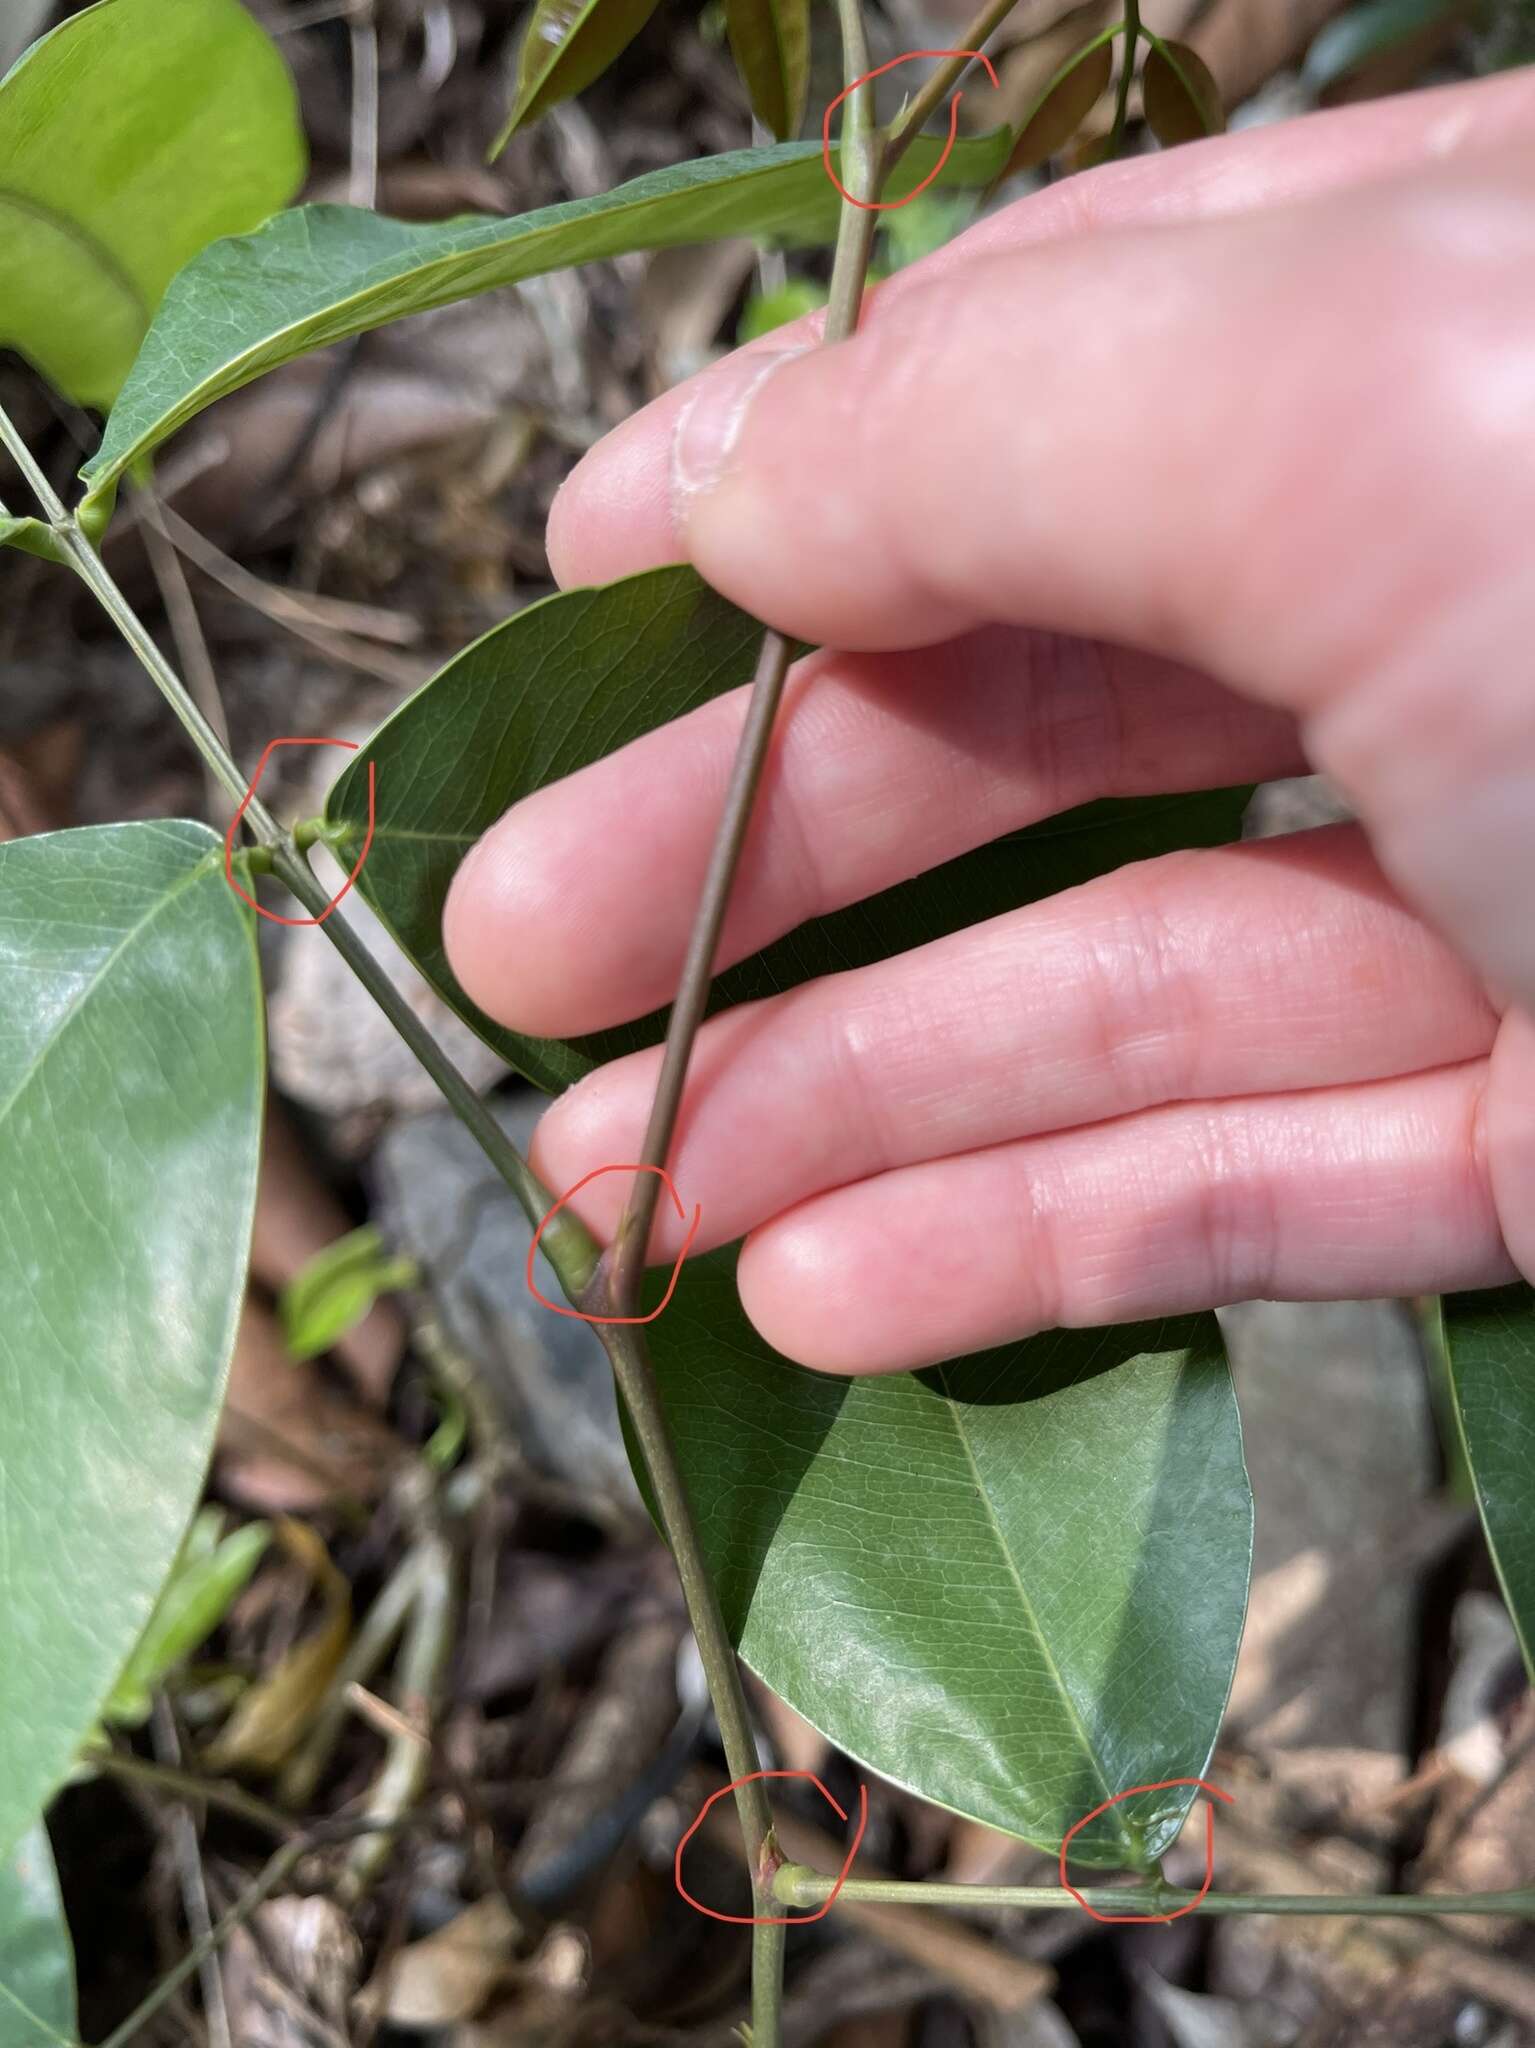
x,y
286,1441
446,1976
270,1718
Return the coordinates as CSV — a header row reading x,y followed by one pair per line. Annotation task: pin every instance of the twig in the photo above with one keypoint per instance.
x,y
187,632
362,181
194,1889
908,125
189,1785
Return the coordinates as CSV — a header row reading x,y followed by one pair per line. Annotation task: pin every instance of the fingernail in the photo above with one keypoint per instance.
x,y
709,425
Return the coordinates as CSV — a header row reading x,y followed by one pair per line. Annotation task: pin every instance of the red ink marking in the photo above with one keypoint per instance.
x,y
578,1315
1166,1785
234,826
775,1919
888,205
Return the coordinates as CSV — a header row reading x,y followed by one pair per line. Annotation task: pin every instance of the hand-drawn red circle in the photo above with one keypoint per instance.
x,y
889,205
578,1315
234,826
775,1919
1165,1785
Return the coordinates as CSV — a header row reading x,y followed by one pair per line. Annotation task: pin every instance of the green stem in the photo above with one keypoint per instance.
x,y
905,129
1132,28
795,1885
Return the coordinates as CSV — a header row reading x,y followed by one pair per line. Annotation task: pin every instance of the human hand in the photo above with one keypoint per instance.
x,y
1187,471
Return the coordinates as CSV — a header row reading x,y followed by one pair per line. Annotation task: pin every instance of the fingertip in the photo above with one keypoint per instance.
x,y
501,923
612,516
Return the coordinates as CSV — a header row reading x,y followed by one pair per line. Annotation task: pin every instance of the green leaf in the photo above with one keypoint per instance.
x,y
1064,105
37,1958
1491,1342
322,273
129,137
32,536
766,310
567,44
211,1570
335,1289
1014,1584
131,1071
770,41
1179,96
572,678
1372,30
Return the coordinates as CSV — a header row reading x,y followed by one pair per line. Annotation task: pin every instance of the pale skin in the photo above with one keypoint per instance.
x,y
1194,470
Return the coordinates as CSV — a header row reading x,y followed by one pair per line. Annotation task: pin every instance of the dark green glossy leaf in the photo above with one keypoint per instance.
x,y
37,1958
1063,106
1372,30
1180,98
1014,1584
322,273
1491,1343
565,46
129,137
571,679
131,1071
770,41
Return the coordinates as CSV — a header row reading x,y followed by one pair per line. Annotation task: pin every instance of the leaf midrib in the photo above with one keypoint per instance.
x,y
1073,1714
72,230
161,903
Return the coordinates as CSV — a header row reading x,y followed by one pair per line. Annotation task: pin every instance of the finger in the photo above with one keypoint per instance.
x,y
1333,1195
1245,970
882,769
614,513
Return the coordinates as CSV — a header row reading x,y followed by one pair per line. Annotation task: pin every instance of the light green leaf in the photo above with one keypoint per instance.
x,y
129,137
131,1071
1014,1584
569,680
211,1570
32,536
335,1289
1491,1343
770,41
565,46
322,273
37,1958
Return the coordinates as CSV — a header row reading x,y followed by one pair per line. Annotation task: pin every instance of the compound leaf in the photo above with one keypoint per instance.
x,y
1014,1584
770,41
580,674
37,1958
131,1075
565,46
1490,1339
321,273
133,134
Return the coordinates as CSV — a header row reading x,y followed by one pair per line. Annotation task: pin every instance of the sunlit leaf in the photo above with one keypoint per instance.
x,y
1179,96
129,137
131,1082
1491,1343
334,1290
770,41
37,1958
322,273
1063,106
567,44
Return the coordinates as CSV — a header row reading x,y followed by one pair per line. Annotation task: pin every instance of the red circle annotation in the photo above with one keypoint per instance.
x,y
775,1919
1164,1785
889,205
579,1315
234,826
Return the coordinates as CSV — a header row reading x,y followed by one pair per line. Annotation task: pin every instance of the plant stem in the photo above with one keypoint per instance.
x,y
795,1885
188,1785
907,126
1132,26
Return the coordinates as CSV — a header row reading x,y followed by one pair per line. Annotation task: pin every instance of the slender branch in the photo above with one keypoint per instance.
x,y
908,125
794,1885
1132,27
188,1785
